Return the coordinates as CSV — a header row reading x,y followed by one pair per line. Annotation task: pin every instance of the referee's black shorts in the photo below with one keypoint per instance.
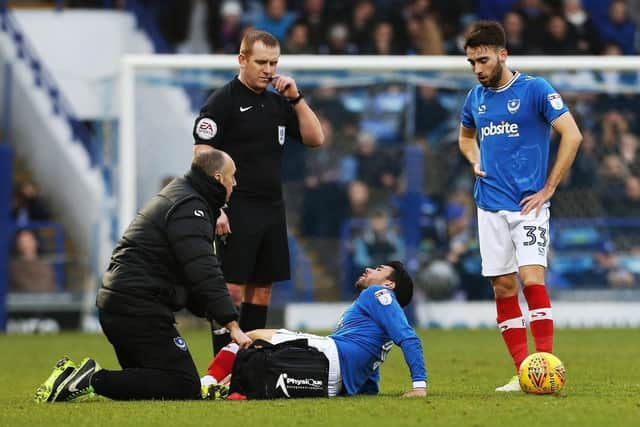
x,y
257,250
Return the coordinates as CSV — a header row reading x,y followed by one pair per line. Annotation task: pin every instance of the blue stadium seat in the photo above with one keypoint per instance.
x,y
572,263
578,238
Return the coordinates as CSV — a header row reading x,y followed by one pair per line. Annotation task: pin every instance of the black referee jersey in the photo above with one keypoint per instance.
x,y
252,128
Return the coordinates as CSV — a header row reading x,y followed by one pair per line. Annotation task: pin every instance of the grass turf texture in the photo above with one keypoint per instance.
x,y
603,387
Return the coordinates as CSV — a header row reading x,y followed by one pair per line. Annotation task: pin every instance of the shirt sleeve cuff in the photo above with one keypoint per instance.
x,y
419,384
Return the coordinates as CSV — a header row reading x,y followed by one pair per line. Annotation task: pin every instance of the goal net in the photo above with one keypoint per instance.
x,y
392,157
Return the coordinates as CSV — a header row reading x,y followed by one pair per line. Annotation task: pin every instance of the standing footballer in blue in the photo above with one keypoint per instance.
x,y
362,340
504,134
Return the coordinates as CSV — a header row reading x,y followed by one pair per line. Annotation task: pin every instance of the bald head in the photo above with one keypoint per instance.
x,y
210,161
217,164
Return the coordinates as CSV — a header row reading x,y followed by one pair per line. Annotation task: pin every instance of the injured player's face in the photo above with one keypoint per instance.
x,y
374,276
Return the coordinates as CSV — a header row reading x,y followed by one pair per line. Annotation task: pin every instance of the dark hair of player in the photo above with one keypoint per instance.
x,y
485,33
403,281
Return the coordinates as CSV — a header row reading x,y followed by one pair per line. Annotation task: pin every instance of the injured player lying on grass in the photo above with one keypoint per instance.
x,y
344,363
354,352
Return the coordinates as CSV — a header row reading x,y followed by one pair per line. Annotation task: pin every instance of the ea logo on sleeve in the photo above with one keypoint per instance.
x,y
206,128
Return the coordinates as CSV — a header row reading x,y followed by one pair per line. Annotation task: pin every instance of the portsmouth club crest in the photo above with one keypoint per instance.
x,y
180,343
281,134
513,105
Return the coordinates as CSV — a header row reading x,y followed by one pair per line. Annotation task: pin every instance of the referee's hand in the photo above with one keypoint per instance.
x,y
222,224
285,85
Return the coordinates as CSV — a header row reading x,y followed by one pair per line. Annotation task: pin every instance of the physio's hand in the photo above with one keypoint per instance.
x,y
477,170
240,338
416,392
222,224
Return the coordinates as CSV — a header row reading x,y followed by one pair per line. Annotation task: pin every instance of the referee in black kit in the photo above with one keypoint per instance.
x,y
252,124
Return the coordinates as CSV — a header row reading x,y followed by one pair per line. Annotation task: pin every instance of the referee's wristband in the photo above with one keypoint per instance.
x,y
419,384
294,101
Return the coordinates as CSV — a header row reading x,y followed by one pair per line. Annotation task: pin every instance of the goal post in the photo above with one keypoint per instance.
x,y
133,64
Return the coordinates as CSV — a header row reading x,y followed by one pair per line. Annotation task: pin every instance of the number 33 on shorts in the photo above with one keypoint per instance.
x,y
509,240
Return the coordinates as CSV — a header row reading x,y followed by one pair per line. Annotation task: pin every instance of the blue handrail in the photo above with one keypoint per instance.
x,y
43,79
145,21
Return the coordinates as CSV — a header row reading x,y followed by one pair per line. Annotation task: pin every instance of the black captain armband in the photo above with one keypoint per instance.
x,y
294,101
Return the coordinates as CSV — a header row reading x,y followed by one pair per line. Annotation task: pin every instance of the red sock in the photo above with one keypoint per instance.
x,y
222,364
540,316
513,329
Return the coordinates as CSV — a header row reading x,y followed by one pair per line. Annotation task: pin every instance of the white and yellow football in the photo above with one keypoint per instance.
x,y
542,373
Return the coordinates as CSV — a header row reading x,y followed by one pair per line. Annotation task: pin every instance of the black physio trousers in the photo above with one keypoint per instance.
x,y
156,363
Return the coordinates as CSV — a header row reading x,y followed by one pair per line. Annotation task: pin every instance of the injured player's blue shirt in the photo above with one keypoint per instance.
x,y
513,125
365,335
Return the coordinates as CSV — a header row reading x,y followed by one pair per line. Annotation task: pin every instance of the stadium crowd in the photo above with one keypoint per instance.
x,y
360,170
411,27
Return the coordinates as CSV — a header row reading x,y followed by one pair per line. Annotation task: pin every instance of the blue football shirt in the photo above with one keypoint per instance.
x,y
513,125
365,335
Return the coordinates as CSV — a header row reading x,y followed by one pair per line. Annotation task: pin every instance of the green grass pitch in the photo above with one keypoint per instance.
x,y
603,387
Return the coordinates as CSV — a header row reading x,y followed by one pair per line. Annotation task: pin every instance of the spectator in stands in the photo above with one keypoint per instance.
x,y
358,194
441,267
27,205
613,177
534,15
27,271
202,15
378,241
629,204
413,35
174,20
583,26
456,45
418,8
618,28
324,201
373,166
584,173
313,15
383,42
431,42
608,270
559,38
297,42
628,149
337,42
430,115
452,15
227,34
363,24
514,30
327,102
276,20
614,124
